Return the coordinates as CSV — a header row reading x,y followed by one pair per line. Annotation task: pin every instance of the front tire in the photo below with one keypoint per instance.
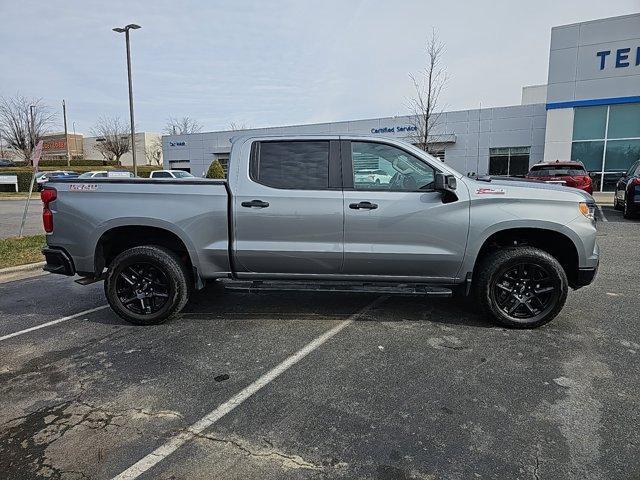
x,y
521,287
146,285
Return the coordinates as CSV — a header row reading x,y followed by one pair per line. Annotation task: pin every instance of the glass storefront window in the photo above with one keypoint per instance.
x,y
499,165
511,161
624,121
609,132
589,123
589,153
621,153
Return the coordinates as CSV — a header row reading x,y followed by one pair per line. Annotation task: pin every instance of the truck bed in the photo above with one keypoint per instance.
x,y
195,211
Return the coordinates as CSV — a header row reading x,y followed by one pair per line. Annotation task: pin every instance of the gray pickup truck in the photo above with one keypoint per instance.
x,y
306,212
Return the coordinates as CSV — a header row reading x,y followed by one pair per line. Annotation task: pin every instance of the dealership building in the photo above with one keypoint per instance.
x,y
589,110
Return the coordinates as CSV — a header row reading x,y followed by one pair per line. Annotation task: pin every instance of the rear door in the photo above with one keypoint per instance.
x,y
289,214
397,225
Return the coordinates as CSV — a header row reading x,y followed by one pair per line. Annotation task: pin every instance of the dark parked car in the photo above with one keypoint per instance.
x,y
568,173
6,163
627,195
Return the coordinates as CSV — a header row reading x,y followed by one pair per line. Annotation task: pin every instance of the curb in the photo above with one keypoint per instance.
x,y
23,268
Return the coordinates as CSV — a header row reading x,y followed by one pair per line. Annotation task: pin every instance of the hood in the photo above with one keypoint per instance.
x,y
527,184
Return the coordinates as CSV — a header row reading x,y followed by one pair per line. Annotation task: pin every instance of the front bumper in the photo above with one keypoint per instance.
x,y
585,277
58,261
587,272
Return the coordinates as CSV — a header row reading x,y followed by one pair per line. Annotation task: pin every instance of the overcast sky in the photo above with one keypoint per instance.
x,y
268,63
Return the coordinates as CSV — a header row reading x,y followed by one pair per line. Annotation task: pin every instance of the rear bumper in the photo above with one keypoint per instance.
x,y
58,261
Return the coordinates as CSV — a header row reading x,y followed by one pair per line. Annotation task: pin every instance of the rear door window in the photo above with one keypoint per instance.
x,y
298,165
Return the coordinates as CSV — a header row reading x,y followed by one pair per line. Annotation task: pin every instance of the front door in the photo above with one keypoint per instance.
x,y
288,217
395,223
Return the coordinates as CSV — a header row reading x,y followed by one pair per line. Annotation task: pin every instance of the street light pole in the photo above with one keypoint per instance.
x,y
66,133
125,30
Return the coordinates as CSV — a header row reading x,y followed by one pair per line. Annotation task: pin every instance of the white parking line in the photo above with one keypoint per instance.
x,y
604,219
53,322
205,422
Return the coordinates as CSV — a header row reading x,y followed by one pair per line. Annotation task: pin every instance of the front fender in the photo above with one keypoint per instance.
x,y
479,236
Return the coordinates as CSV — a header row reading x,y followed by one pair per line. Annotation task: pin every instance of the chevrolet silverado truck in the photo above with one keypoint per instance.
x,y
296,213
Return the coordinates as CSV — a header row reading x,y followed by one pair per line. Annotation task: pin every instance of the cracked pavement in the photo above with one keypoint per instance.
x,y
413,389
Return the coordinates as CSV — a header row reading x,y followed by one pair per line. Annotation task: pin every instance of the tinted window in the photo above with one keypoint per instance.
x,y
292,165
589,123
162,175
589,153
383,167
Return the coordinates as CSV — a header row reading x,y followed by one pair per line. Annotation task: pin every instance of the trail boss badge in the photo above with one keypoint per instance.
x,y
490,191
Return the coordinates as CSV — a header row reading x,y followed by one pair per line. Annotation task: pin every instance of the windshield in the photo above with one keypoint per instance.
x,y
182,174
557,171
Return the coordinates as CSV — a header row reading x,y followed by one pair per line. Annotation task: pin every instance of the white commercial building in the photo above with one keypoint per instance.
x,y
588,111
146,143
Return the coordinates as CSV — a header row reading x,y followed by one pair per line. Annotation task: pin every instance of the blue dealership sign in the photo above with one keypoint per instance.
x,y
621,58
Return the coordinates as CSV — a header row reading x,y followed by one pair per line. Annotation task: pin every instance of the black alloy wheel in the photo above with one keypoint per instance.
x,y
147,284
526,291
520,286
143,288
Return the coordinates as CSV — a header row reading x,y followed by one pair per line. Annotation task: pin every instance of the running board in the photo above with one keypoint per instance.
x,y
89,280
393,289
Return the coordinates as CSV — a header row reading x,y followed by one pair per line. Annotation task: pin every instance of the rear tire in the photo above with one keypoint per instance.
x,y
521,287
627,213
147,285
616,204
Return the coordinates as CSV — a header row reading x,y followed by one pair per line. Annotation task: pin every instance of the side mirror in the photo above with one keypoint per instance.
x,y
445,183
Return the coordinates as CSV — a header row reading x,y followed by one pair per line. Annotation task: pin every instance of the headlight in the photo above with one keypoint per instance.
x,y
588,210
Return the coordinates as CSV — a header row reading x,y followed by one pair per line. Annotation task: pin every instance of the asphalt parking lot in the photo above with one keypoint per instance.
x,y
318,385
11,212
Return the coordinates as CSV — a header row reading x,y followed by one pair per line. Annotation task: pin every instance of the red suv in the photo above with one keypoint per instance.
x,y
568,173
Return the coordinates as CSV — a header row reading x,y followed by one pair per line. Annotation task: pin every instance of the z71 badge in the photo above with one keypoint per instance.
x,y
83,187
490,191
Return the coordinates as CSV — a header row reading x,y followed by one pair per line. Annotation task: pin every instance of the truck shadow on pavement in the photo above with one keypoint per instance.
x,y
215,302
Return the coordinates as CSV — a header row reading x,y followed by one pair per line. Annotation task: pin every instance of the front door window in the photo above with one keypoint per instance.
x,y
382,167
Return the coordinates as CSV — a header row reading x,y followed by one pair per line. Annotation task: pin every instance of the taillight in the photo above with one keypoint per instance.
x,y
47,195
636,181
582,180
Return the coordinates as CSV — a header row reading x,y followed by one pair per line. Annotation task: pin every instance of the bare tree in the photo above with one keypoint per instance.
x,y
182,126
153,152
113,138
19,130
425,106
6,152
234,126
